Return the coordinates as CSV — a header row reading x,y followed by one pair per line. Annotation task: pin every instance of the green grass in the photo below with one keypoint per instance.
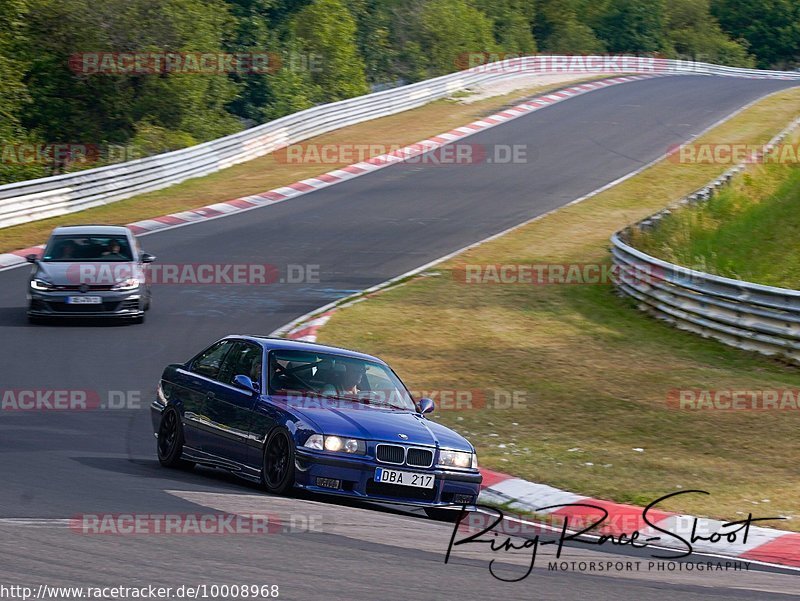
x,y
593,373
750,231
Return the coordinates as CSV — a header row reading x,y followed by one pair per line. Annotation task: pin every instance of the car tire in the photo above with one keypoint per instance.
x,y
170,441
139,319
277,466
443,515
34,320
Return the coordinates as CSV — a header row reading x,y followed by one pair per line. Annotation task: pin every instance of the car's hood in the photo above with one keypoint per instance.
x,y
371,423
61,273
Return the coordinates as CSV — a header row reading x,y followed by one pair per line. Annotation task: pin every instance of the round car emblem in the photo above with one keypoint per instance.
x,y
403,436
84,288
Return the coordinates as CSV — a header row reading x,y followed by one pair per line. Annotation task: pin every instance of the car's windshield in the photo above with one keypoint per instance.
x,y
310,375
88,248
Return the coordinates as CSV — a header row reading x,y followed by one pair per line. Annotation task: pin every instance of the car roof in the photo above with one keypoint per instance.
x,y
92,230
272,343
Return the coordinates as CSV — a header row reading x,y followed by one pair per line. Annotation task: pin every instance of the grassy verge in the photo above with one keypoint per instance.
x,y
592,374
749,231
266,173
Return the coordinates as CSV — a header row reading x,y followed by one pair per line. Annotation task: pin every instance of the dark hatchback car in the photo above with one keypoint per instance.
x,y
90,271
328,420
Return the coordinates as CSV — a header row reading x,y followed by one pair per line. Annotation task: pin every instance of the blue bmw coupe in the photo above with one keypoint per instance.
x,y
328,420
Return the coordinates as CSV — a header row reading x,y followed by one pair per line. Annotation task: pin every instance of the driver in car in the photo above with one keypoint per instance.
x,y
351,379
114,251
67,251
347,380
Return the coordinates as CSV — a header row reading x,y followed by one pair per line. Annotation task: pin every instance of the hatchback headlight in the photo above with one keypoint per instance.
x,y
129,284
39,284
336,444
455,459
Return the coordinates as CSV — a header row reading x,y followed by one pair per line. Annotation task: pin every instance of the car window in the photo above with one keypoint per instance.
x,y
377,379
208,363
244,360
329,375
78,247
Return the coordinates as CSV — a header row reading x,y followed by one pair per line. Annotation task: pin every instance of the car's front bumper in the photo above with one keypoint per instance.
x,y
315,471
114,304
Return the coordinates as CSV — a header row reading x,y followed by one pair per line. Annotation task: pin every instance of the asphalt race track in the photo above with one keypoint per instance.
x,y
56,465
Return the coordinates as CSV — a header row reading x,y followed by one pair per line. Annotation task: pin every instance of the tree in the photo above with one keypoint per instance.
x,y
771,28
512,24
251,33
13,95
694,34
632,26
326,31
70,105
373,38
290,88
559,30
450,29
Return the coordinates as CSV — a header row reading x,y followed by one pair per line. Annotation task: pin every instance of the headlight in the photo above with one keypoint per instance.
x,y
314,442
129,284
336,444
455,459
41,285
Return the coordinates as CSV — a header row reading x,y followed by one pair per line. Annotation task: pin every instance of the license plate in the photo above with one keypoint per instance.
x,y
84,300
403,478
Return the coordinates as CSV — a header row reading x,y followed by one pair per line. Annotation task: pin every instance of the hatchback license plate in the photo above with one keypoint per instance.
x,y
84,300
385,476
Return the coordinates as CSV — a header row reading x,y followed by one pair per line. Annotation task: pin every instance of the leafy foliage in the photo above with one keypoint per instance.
x,y
326,30
771,28
321,51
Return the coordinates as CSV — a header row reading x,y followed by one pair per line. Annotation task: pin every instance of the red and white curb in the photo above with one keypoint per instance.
x,y
246,203
765,545
307,331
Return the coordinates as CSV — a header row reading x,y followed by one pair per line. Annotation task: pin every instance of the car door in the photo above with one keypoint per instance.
x,y
229,410
265,414
194,385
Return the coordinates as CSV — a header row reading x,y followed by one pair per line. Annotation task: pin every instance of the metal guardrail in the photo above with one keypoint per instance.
x,y
749,316
31,200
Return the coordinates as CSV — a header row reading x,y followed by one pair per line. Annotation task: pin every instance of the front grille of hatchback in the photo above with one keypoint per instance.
x,y
82,287
108,307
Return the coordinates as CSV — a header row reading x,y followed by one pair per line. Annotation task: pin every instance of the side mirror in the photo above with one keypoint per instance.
x,y
246,383
426,406
32,258
147,258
